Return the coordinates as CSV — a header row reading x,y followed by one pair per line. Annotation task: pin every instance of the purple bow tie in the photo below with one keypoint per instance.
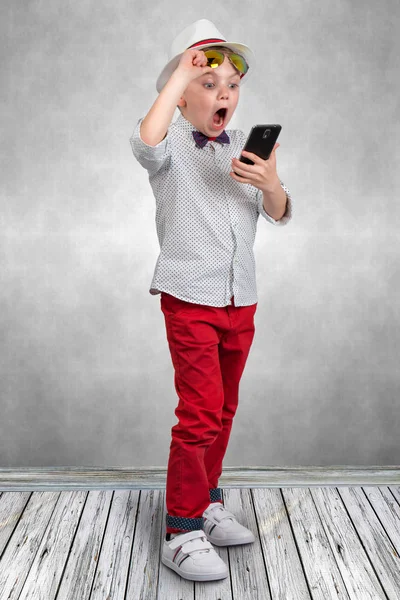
x,y
201,139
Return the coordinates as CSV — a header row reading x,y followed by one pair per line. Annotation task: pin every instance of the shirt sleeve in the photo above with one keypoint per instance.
x,y
288,212
150,157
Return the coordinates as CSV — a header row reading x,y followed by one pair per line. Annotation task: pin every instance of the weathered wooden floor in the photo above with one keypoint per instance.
x,y
311,542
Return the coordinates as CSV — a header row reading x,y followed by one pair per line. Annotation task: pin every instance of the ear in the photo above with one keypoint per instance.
x,y
181,101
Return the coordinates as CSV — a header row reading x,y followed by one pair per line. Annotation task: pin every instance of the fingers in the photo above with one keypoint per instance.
x,y
200,59
239,167
200,63
251,156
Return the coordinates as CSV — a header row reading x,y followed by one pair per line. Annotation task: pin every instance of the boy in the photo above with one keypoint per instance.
x,y
207,206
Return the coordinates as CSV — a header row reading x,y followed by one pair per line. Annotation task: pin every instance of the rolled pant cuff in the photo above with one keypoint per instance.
x,y
177,524
215,495
183,523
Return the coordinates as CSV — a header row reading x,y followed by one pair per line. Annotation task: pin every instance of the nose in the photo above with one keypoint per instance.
x,y
224,91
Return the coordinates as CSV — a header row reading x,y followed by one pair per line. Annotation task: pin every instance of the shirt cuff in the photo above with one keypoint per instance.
x,y
288,212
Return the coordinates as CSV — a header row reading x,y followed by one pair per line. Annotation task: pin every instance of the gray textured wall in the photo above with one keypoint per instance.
x,y
85,372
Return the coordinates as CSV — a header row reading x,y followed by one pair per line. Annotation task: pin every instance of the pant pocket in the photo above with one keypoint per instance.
x,y
172,306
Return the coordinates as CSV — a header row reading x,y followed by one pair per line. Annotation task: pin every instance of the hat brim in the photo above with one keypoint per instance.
x,y
242,49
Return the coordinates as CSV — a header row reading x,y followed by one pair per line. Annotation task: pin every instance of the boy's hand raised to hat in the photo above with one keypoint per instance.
x,y
193,64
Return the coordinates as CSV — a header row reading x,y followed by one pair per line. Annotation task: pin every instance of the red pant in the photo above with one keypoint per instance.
x,y
209,347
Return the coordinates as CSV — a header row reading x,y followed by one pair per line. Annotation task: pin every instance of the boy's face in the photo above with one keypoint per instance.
x,y
206,94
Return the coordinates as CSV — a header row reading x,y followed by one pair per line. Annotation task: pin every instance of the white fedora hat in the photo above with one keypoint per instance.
x,y
203,31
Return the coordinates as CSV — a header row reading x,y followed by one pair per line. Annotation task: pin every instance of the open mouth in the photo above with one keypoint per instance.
x,y
219,117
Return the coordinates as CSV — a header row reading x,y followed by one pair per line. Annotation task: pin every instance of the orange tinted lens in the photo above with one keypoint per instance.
x,y
239,62
214,58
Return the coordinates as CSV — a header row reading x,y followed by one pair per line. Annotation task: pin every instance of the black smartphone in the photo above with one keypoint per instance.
x,y
261,141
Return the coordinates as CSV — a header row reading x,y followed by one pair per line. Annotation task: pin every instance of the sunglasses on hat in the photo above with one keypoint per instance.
x,y
215,59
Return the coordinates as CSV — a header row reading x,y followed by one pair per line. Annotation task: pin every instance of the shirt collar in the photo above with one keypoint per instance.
x,y
184,125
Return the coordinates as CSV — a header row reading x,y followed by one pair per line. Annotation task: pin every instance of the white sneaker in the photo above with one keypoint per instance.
x,y
222,528
193,557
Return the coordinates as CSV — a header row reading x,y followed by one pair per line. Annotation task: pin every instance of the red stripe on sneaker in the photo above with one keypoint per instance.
x,y
176,553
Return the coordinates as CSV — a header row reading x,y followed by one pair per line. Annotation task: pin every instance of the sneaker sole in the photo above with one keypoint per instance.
x,y
194,576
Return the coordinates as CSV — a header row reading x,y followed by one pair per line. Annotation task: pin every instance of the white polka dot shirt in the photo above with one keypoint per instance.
x,y
206,221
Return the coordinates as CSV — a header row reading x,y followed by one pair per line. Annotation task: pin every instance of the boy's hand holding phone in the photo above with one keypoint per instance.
x,y
262,174
257,164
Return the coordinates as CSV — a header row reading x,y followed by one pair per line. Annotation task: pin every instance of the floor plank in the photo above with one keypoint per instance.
x,y
283,564
319,564
355,568
312,543
374,539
